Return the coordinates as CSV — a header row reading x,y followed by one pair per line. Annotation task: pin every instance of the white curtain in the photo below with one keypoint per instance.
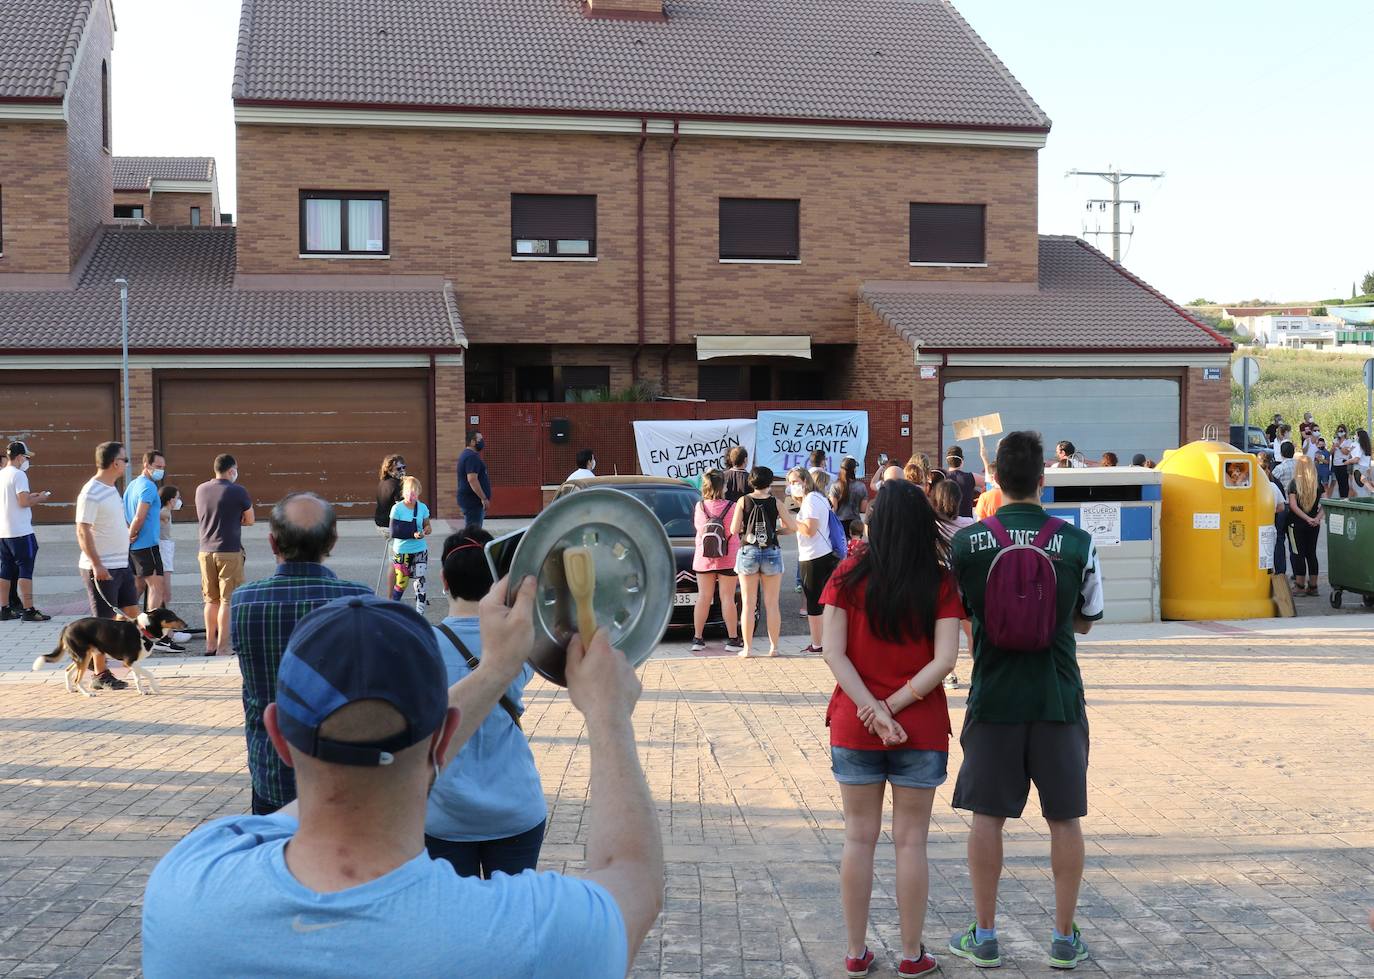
x,y
322,226
364,226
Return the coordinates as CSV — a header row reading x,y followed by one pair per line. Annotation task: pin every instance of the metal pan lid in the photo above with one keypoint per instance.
x,y
635,575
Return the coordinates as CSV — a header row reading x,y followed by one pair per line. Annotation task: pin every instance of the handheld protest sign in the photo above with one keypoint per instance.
x,y
600,558
977,427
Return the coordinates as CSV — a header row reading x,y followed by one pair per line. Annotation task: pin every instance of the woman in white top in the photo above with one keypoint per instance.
x,y
815,556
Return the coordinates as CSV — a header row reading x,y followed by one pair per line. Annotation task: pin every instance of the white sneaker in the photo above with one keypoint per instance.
x,y
420,607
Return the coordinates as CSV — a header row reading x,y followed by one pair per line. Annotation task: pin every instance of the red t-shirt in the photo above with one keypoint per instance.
x,y
886,666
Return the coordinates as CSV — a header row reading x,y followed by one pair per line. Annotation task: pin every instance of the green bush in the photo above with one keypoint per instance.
x,y
1330,385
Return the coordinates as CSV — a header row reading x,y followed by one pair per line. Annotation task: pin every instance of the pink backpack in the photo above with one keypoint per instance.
x,y
1020,601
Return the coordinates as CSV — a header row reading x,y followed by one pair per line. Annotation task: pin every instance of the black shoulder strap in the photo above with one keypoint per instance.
x,y
473,662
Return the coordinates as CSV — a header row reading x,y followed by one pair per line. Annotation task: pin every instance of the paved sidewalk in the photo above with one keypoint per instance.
x,y
1232,831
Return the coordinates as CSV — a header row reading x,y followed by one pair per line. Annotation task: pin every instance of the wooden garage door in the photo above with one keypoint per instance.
x,y
63,421
296,430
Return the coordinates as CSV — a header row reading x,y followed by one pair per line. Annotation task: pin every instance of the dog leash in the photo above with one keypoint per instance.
x,y
119,615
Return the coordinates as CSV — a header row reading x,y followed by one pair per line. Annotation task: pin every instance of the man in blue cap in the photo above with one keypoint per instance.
x,y
346,889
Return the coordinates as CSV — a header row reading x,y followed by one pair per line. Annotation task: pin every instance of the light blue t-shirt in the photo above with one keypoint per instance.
x,y
223,903
491,789
143,490
409,545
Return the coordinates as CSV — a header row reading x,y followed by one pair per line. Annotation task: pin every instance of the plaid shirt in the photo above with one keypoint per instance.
x,y
262,617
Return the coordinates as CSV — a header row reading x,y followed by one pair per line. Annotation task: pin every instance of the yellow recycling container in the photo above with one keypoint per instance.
x,y
1216,534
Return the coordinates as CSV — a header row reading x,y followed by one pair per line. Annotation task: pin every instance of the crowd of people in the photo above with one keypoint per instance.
x,y
390,771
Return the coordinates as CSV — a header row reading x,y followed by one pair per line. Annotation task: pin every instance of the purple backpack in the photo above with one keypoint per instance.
x,y
1020,602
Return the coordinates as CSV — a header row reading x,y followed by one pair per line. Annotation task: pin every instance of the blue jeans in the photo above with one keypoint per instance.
x,y
473,516
482,858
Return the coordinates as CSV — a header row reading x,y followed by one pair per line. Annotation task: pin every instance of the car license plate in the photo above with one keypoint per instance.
x,y
685,598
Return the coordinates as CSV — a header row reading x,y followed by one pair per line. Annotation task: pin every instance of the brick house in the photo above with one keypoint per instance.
x,y
712,198
737,203
166,190
308,380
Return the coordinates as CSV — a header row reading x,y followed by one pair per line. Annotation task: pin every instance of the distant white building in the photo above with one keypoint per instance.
x,y
1295,331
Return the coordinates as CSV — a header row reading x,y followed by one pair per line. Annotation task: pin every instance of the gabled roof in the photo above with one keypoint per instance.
x,y
1084,302
138,172
38,42
914,62
182,296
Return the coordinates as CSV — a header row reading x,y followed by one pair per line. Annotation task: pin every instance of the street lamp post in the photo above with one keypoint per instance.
x,y
124,352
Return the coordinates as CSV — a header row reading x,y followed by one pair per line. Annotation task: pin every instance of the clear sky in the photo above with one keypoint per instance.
x,y
1256,110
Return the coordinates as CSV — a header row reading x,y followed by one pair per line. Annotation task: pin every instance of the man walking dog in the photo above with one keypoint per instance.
x,y
18,545
103,536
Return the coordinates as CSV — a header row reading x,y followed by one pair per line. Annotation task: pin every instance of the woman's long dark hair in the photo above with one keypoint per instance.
x,y
1362,437
900,569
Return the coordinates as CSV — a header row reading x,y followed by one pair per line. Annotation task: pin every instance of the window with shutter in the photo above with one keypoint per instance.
x,y
553,225
948,234
759,229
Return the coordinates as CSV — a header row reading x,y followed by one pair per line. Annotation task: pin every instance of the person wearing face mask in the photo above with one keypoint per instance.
x,y
474,485
170,498
409,528
18,545
223,509
586,466
143,511
1341,450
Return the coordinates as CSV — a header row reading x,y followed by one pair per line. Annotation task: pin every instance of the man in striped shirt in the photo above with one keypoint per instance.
x,y
262,616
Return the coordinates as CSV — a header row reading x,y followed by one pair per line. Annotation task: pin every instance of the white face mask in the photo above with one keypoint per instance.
x,y
176,504
797,490
24,466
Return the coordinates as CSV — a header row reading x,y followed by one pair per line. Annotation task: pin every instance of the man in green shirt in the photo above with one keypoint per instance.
x,y
1026,719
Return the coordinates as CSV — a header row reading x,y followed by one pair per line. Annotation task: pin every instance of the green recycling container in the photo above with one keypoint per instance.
x,y
1350,548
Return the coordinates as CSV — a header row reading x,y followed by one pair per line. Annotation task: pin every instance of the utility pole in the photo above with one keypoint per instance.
x,y
1116,178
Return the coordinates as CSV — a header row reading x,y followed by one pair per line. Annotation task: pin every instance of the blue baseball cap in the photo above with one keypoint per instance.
x,y
360,648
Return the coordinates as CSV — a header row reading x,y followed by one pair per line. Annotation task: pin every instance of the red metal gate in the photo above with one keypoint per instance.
x,y
523,458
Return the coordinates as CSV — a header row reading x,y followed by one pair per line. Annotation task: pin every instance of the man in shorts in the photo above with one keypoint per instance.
x,y
143,510
223,509
1026,719
18,544
103,536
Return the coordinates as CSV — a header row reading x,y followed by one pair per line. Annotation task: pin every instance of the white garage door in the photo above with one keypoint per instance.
x,y
1121,415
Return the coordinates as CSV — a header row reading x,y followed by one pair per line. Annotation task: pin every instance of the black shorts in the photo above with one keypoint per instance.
x,y
1001,760
146,561
118,593
17,555
814,577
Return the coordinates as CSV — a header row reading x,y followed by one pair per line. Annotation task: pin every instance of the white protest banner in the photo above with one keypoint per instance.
x,y
786,439
686,449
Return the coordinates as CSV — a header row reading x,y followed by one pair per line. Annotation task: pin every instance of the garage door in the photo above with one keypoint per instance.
x,y
1121,415
296,431
63,422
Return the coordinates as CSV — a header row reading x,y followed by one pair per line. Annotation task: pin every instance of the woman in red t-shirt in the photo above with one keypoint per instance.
x,y
891,634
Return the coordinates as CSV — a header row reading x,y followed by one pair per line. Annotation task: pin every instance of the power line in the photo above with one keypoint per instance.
x,y
1116,178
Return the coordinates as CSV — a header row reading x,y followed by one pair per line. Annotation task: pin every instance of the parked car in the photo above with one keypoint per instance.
x,y
1256,444
674,503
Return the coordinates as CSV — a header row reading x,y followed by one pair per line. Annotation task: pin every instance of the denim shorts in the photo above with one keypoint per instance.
x,y
908,767
758,560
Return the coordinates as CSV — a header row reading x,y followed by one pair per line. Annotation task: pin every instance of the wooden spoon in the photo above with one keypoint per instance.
x,y
580,569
